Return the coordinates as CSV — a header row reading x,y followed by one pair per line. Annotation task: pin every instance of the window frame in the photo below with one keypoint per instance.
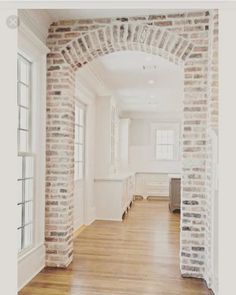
x,y
24,154
174,125
165,144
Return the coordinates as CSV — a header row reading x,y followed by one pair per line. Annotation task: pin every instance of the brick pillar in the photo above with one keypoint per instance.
x,y
59,162
194,160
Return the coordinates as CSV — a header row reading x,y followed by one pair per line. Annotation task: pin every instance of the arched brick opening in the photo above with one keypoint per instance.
x,y
70,50
147,38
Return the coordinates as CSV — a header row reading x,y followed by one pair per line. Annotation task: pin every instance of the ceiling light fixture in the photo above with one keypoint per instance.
x,y
151,82
149,67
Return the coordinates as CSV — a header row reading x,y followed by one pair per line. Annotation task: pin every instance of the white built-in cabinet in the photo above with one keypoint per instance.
x,y
114,195
152,184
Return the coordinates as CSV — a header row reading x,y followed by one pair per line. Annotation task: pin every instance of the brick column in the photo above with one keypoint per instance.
x,y
59,162
194,161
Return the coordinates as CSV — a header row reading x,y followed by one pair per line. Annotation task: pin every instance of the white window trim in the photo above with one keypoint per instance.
x,y
32,260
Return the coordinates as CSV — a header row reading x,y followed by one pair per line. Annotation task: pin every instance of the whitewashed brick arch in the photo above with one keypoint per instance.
x,y
128,36
189,39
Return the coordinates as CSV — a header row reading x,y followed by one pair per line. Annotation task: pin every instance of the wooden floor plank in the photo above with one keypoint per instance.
x,y
137,256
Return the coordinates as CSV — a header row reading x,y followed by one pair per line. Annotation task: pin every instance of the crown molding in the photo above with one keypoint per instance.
x,y
25,33
38,21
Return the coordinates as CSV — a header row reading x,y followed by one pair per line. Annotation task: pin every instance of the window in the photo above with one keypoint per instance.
x,y
79,142
164,144
25,157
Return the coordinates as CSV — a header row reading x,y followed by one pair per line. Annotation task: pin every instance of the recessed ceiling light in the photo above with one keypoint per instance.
x,y
151,82
152,96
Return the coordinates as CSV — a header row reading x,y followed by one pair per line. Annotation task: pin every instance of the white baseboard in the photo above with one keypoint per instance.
x,y
30,265
214,286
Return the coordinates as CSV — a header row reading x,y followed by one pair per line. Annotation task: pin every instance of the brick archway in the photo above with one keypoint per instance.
x,y
135,37
180,38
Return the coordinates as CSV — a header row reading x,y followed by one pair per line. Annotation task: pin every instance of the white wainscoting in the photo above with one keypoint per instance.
x,y
30,265
152,184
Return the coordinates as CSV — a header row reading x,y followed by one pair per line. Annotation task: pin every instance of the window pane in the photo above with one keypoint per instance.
x,y
28,235
19,165
20,191
19,215
76,134
76,152
81,147
24,118
23,141
170,137
76,171
23,95
81,170
29,167
81,117
170,152
24,70
19,234
81,134
28,212
29,189
76,115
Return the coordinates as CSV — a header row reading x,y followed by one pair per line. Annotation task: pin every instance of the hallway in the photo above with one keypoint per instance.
x,y
137,256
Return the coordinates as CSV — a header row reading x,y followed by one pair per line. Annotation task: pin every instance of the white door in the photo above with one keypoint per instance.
x,y
79,166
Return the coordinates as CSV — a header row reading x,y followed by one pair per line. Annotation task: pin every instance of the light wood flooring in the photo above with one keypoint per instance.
x,y
134,257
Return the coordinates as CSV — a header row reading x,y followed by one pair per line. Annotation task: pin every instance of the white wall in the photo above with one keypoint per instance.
x,y
8,159
102,136
124,130
33,260
142,146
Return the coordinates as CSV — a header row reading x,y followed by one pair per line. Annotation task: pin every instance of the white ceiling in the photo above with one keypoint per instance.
x,y
58,14
123,73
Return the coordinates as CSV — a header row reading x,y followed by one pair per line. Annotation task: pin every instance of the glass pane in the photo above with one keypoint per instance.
x,y
81,170
23,141
76,171
28,212
29,186
24,118
23,95
19,166
76,134
170,152
170,137
76,115
29,167
24,71
76,152
81,117
28,235
19,193
81,134
19,215
19,234
81,149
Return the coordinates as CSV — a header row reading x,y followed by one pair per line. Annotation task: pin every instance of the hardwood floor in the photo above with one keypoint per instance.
x,y
137,256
